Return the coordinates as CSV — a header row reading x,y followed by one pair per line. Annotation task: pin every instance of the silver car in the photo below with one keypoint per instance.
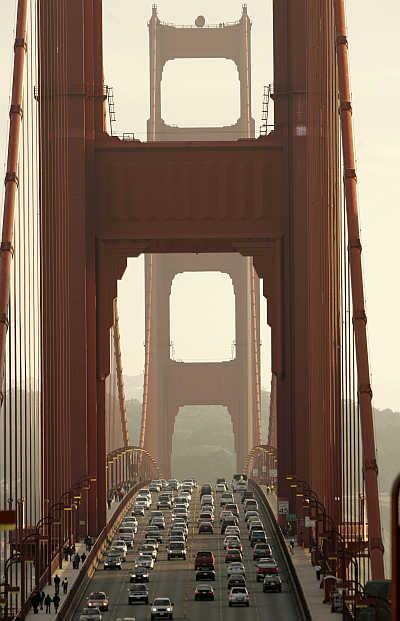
x,y
90,614
162,607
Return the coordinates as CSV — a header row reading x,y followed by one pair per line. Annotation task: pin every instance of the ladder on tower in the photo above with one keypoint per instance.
x,y
265,110
111,107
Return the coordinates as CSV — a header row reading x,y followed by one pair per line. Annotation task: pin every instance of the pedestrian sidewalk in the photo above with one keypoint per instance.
x,y
301,560
65,571
311,586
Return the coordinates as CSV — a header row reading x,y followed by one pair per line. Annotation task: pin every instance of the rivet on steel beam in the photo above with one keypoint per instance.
x,y
371,465
350,173
355,243
365,390
360,316
4,319
342,40
20,43
345,106
7,247
16,109
376,544
11,177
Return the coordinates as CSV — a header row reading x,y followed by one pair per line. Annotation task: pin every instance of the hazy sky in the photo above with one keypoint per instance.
x,y
208,95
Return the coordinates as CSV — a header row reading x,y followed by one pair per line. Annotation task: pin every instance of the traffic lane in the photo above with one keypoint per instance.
x,y
166,579
278,606
176,579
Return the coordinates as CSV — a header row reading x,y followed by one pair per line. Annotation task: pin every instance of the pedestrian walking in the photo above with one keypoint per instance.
x,y
35,601
66,553
42,598
57,581
76,561
47,603
83,558
65,584
56,602
318,572
291,544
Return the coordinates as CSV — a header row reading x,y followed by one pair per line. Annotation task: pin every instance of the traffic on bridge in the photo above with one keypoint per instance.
x,y
97,521
190,551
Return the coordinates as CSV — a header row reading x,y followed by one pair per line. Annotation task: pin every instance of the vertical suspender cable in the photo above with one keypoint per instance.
x,y
359,316
11,180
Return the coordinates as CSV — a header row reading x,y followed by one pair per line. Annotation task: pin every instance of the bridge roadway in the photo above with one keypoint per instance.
x,y
176,579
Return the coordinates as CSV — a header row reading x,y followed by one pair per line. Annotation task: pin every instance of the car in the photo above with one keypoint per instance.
x,y
205,516
146,560
131,522
250,504
154,487
139,574
118,550
233,556
247,494
236,568
258,536
204,592
236,580
272,582
220,488
162,607
251,514
164,504
226,497
232,521
138,510
234,545
154,533
205,489
262,550
177,537
266,566
155,513
206,528
126,534
98,599
181,524
176,549
112,561
186,493
119,543
254,522
158,521
90,614
232,530
239,596
205,573
232,506
147,548
224,514
181,500
138,593
231,539
257,525
207,499
152,541
241,486
204,558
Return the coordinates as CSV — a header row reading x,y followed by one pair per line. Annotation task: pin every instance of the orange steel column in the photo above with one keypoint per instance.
x,y
11,179
359,315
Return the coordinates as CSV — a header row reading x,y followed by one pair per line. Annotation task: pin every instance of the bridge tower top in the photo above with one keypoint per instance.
x,y
229,40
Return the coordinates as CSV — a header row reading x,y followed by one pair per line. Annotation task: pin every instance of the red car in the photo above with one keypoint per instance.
x,y
204,558
266,567
204,592
233,556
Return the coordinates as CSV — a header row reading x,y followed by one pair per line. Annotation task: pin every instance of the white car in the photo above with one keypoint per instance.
x,y
230,539
220,488
239,596
236,568
120,550
120,543
162,607
232,530
145,560
138,510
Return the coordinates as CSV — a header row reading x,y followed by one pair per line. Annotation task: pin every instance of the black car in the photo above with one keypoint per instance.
x,y
204,592
206,527
138,593
205,573
258,536
236,581
228,522
139,574
272,582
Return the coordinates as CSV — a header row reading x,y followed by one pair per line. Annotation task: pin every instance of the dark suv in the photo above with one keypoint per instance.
x,y
138,593
204,558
